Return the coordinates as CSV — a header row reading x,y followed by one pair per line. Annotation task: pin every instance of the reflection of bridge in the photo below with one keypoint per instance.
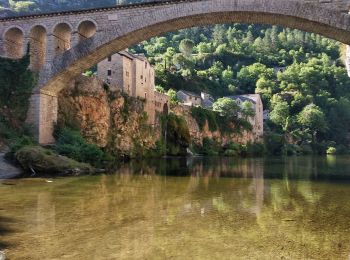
x,y
63,45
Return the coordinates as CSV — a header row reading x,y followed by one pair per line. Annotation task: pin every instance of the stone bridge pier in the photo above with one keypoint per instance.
x,y
65,44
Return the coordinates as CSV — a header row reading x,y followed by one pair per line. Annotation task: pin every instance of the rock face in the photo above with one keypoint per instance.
x,y
108,119
197,134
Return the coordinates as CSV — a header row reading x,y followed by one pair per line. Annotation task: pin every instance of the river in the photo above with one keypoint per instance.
x,y
198,208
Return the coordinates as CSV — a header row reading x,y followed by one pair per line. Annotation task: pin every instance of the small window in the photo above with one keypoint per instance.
x,y
127,73
145,95
145,79
145,65
109,58
141,76
109,73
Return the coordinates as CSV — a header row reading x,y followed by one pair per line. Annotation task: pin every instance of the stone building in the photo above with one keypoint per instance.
x,y
257,121
134,75
188,98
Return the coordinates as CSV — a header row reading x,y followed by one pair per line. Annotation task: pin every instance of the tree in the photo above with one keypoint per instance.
x,y
227,107
172,95
186,47
312,117
247,109
280,113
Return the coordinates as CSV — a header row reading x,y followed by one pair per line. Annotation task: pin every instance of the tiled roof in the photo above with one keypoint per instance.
x,y
188,93
249,97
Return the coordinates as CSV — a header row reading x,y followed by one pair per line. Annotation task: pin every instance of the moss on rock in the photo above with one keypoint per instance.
x,y
42,161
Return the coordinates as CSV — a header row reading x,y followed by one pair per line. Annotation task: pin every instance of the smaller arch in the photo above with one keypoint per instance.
x,y
86,29
165,109
62,34
38,40
14,40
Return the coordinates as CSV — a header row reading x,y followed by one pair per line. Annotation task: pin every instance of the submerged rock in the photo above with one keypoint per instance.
x,y
2,255
41,161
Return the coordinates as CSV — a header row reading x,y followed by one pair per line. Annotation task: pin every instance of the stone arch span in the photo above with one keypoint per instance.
x,y
130,26
120,34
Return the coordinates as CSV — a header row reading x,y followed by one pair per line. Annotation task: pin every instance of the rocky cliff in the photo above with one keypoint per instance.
x,y
108,119
197,134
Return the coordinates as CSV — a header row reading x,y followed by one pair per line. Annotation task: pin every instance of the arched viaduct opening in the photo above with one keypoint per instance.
x,y
14,41
86,30
37,43
62,34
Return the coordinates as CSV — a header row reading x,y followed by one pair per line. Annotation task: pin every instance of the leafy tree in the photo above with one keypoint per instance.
x,y
227,107
186,47
312,117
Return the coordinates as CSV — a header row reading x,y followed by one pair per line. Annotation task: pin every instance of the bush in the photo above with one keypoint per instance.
x,y
71,144
230,152
306,149
331,150
202,115
210,147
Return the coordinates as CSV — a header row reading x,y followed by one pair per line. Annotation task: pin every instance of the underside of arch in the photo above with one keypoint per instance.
x,y
74,62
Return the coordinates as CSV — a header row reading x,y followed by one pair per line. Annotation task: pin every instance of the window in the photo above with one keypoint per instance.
x,y
127,73
141,76
109,73
145,79
145,65
109,58
145,95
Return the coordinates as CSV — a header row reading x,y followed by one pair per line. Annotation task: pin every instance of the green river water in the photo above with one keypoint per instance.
x,y
199,208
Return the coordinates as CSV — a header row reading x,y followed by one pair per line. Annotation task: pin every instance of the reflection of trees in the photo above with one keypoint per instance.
x,y
146,215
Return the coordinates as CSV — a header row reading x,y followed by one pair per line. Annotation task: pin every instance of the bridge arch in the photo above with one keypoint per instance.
x,y
14,42
121,28
120,34
62,33
86,29
37,45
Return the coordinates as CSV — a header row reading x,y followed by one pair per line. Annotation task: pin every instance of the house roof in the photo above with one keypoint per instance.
x,y
249,97
188,93
132,56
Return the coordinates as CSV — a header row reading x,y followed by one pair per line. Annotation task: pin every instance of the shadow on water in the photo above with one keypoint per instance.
x,y
321,168
4,230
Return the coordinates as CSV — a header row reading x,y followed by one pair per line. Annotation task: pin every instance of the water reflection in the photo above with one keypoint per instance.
x,y
184,209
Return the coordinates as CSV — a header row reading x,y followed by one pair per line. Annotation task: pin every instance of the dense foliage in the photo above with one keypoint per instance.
x,y
300,76
70,143
177,135
13,7
16,84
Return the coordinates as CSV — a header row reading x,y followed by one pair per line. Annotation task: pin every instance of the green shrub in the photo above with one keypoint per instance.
x,y
19,142
231,153
331,150
210,147
255,149
306,149
202,115
71,144
178,134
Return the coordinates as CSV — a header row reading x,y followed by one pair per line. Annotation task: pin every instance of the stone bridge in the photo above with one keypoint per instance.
x,y
65,44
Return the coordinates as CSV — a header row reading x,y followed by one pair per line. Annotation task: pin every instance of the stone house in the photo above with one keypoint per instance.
x,y
134,75
188,98
257,121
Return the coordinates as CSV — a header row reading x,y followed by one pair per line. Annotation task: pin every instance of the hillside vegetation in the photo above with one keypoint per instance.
x,y
300,76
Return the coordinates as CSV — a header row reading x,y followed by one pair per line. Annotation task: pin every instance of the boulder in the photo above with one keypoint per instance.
x,y
41,161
